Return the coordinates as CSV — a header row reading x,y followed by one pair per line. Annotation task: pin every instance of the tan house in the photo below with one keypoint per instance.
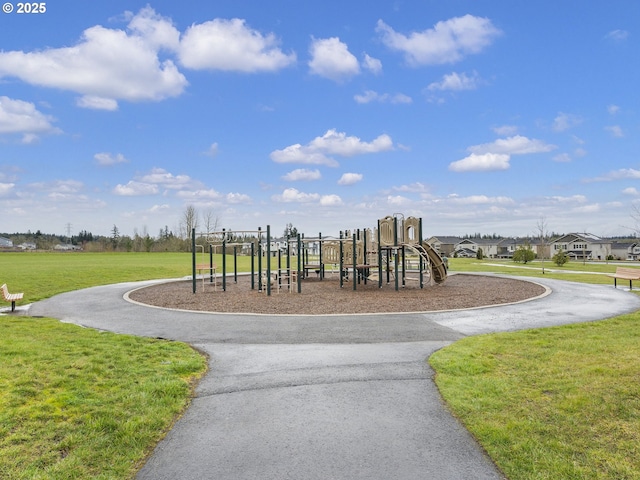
x,y
582,246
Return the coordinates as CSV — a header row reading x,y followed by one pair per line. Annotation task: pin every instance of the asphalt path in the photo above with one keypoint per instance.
x,y
323,397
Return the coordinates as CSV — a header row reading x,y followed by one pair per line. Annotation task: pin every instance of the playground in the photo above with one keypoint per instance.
x,y
326,297
386,269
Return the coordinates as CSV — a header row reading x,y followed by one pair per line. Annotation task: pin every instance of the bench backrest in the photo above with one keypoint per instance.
x,y
628,271
5,291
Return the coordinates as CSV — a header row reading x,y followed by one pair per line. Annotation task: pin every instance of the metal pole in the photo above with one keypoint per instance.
x,y
355,271
341,248
193,258
224,261
268,260
235,264
210,263
259,260
253,265
298,275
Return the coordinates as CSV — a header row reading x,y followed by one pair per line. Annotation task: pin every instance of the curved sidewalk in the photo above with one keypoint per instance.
x,y
347,397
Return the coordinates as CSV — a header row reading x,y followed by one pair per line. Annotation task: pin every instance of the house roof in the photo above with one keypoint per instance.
x,y
583,237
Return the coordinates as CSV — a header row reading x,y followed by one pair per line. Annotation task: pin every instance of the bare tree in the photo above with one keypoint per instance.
x,y
543,233
189,220
211,220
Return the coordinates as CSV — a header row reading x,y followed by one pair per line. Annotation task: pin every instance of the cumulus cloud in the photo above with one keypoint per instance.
x,y
19,117
105,65
134,188
456,82
620,174
236,198
230,45
105,159
481,162
497,155
350,178
330,58
212,151
302,174
565,121
290,195
448,41
159,176
481,200
330,201
318,151
633,191
371,96
6,188
372,64
516,145
615,130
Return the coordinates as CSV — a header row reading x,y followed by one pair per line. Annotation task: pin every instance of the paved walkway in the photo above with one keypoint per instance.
x,y
323,397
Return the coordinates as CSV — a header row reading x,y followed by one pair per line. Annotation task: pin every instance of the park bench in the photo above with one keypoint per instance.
x,y
11,297
624,273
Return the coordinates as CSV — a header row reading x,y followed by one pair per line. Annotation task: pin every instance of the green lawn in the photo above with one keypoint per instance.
x,y
550,403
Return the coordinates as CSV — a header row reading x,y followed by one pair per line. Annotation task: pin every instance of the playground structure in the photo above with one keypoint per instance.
x,y
394,251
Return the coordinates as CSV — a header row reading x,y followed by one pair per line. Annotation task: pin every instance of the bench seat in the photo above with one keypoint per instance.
x,y
11,297
625,273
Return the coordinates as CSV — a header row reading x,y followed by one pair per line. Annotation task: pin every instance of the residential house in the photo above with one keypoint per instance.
x,y
582,246
5,243
625,250
444,245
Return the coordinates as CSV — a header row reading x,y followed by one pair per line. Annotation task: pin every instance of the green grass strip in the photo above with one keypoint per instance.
x,y
77,403
551,403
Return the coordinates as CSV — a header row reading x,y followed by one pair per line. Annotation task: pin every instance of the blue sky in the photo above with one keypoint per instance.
x,y
478,116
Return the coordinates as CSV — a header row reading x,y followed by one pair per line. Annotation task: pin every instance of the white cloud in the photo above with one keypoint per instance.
x,y
97,103
350,178
330,201
456,82
199,194
302,174
633,191
330,58
516,145
481,162
371,96
290,195
230,45
397,200
505,130
236,198
160,176
617,35
6,188
212,151
621,174
107,159
448,41
134,188
331,143
372,64
480,200
571,199
562,158
105,65
565,121
19,117
298,154
415,187
615,131
613,109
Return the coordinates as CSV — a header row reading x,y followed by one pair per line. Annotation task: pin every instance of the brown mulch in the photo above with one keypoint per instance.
x,y
326,296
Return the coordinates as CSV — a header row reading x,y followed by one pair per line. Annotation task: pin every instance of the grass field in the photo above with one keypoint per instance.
x,y
556,403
